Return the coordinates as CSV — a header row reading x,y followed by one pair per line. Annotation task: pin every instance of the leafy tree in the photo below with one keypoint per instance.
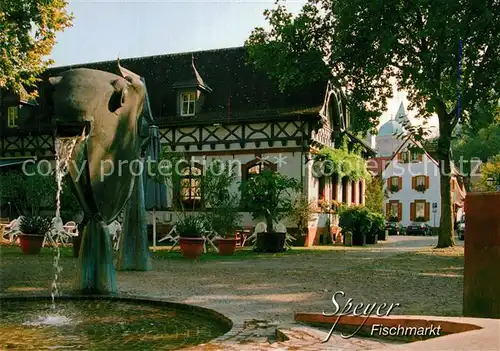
x,y
27,35
224,216
491,170
268,195
33,192
481,144
422,46
375,195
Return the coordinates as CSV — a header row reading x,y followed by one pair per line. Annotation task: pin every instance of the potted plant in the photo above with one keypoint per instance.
x,y
301,214
33,230
268,195
223,217
378,227
394,188
190,230
420,188
356,219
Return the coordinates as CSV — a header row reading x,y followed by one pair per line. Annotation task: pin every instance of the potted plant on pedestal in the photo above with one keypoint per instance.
x,y
190,230
223,217
356,219
377,230
268,195
33,230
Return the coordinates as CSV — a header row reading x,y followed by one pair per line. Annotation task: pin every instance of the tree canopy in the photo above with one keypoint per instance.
x,y
489,170
444,54
480,143
27,35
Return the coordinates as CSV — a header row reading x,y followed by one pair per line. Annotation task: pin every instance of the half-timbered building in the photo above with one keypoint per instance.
x,y
212,105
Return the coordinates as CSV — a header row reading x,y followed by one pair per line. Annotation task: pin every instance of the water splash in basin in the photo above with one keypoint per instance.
x,y
105,324
53,320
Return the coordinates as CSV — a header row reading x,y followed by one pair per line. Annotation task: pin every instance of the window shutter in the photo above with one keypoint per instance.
x,y
413,182
388,211
400,185
412,211
427,211
400,211
427,181
388,183
420,157
453,185
400,157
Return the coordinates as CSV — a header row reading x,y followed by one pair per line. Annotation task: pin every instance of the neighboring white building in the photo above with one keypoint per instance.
x,y
412,181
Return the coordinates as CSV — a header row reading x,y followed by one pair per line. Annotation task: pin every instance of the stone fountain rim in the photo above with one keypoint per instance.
x,y
234,328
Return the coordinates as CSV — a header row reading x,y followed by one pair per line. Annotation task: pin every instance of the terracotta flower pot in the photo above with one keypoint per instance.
x,y
191,247
31,244
227,246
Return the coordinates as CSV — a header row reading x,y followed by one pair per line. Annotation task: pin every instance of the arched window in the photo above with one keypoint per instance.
x,y
254,167
190,186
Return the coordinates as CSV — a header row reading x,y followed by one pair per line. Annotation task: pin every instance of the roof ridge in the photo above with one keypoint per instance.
x,y
149,57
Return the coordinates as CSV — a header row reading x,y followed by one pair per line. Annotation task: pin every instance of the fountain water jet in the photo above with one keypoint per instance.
x,y
63,148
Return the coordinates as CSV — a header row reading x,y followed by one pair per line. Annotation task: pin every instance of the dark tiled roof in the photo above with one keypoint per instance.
x,y
239,92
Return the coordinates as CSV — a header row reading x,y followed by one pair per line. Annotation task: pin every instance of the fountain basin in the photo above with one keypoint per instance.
x,y
105,323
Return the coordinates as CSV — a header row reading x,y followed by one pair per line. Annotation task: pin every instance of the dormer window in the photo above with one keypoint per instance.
x,y
188,102
12,116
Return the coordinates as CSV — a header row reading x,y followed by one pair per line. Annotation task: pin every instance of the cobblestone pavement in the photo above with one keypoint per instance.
x,y
268,296
261,295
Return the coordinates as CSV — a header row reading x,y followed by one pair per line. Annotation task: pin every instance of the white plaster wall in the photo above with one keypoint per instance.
x,y
291,167
407,195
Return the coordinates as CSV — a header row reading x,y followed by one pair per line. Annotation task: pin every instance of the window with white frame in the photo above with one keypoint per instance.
x,y
420,180
405,157
415,156
188,102
419,209
395,181
12,115
394,209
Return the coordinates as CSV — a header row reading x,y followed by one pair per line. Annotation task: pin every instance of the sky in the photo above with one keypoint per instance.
x,y
105,30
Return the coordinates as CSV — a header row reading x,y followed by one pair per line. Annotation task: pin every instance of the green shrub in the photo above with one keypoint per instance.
x,y
355,219
190,226
35,225
359,220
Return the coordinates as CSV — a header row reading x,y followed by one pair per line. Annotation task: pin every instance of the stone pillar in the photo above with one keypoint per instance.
x,y
348,192
363,191
338,191
355,192
482,255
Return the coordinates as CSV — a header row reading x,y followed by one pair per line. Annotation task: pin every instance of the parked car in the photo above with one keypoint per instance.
x,y
395,228
461,228
418,228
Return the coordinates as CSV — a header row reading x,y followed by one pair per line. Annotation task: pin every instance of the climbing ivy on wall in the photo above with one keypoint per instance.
x,y
343,162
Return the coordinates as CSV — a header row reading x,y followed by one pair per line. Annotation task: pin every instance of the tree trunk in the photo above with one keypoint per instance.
x,y
269,223
446,233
